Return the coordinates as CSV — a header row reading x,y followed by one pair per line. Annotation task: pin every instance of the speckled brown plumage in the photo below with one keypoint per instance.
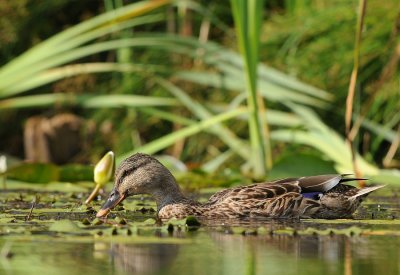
x,y
323,196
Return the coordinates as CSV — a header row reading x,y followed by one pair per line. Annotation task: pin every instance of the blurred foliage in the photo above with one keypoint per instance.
x,y
24,23
203,81
11,14
315,43
48,172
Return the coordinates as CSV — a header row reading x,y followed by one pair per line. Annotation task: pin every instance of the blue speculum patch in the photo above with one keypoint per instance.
x,y
312,195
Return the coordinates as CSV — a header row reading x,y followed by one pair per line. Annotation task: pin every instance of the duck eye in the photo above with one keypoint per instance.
x,y
111,196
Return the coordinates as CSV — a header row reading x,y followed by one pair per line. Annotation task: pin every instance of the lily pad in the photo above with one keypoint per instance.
x,y
65,226
47,172
34,172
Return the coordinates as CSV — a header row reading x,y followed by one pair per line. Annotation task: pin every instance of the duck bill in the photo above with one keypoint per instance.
x,y
113,200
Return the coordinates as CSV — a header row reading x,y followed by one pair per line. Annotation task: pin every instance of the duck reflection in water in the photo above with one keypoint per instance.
x,y
139,258
232,254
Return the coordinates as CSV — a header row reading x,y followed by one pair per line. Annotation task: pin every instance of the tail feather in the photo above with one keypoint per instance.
x,y
365,191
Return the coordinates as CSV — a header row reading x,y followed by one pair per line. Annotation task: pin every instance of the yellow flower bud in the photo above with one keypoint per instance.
x,y
104,169
103,172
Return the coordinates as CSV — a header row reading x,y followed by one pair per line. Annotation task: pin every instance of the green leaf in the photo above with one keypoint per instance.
x,y
75,172
86,101
66,226
165,141
70,38
299,165
202,113
34,172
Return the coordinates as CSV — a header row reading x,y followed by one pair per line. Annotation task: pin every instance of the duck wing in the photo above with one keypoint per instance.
x,y
260,191
320,183
323,183
275,200
305,185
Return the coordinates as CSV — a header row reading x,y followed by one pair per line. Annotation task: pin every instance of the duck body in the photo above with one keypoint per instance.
x,y
323,196
283,199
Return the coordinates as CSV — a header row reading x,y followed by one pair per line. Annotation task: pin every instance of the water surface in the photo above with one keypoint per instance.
x,y
210,253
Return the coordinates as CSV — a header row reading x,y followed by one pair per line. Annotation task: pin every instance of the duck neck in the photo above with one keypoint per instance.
x,y
170,193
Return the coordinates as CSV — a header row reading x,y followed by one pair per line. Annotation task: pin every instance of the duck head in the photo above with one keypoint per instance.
x,y
142,174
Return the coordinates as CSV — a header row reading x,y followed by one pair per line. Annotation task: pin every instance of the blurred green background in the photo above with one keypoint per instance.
x,y
259,87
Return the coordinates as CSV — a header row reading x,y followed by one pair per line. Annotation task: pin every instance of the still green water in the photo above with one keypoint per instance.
x,y
210,253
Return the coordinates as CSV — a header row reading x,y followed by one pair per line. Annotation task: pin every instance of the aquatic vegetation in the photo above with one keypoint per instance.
x,y
25,213
32,217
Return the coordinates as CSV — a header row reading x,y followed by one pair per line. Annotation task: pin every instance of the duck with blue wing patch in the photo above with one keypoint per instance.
x,y
323,196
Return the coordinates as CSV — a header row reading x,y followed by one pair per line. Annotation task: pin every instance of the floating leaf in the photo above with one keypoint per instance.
x,y
75,172
65,226
150,221
35,172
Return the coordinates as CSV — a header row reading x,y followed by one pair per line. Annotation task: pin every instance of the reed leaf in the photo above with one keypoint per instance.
x,y
247,17
226,135
60,41
273,85
85,101
317,135
165,141
16,85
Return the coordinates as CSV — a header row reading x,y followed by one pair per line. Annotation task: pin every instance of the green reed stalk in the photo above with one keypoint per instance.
x,y
353,81
248,16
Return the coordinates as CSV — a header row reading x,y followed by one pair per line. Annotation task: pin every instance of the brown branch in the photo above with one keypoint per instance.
x,y
386,74
29,216
392,149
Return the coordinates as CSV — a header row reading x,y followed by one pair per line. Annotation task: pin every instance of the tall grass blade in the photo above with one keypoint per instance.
x,y
247,17
353,81
60,42
165,141
85,101
226,135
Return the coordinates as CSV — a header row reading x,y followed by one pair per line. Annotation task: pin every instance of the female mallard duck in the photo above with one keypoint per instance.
x,y
307,197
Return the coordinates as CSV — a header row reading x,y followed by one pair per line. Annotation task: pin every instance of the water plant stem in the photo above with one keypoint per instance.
x,y
34,202
353,82
3,170
247,16
93,194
